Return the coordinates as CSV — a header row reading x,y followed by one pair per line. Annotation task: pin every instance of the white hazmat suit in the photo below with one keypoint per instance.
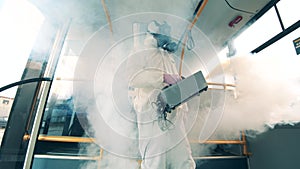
x,y
159,149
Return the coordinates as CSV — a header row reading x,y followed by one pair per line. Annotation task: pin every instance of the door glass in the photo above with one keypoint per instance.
x,y
20,24
60,119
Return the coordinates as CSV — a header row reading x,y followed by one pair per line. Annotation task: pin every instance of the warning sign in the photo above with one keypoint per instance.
x,y
297,45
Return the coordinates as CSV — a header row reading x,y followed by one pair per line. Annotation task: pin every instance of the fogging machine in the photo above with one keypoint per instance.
x,y
174,95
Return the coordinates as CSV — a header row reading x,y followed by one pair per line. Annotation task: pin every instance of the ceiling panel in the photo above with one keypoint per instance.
x,y
218,14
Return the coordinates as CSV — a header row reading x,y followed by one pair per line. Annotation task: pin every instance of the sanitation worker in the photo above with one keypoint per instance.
x,y
151,67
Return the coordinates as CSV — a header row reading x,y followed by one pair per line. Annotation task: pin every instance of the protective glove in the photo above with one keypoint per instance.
x,y
171,78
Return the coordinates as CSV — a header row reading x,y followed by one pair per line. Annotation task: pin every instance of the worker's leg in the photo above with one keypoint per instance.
x,y
152,142
180,155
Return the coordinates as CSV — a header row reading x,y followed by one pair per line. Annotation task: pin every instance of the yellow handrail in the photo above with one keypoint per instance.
x,y
72,139
67,139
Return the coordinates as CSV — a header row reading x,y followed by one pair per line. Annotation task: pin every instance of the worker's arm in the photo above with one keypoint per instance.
x,y
153,78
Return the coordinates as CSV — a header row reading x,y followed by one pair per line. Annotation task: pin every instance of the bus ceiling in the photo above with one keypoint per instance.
x,y
221,20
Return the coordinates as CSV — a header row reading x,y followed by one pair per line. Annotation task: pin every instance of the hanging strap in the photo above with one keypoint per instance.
x,y
107,15
188,33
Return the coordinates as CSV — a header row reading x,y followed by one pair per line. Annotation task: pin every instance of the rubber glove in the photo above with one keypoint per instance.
x,y
171,78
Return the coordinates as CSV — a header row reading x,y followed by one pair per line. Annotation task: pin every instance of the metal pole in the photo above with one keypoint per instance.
x,y
279,17
36,125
